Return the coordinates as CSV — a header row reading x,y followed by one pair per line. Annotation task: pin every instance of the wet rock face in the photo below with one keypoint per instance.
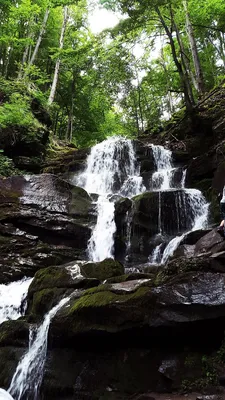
x,y
51,284
102,270
65,161
25,149
149,215
120,307
43,221
146,161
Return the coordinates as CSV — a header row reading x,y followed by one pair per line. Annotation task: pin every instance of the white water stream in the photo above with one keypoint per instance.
x,y
195,207
12,297
161,178
5,395
29,373
111,170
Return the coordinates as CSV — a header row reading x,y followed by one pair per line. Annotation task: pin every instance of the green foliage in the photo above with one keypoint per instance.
x,y
122,81
7,167
17,112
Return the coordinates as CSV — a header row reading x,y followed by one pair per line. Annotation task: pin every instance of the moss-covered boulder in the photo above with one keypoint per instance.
x,y
191,297
102,270
43,301
64,158
9,359
14,333
107,308
67,276
51,284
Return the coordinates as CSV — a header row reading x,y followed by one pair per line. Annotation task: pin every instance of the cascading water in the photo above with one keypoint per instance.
x,y
161,178
12,297
191,206
29,373
5,395
111,170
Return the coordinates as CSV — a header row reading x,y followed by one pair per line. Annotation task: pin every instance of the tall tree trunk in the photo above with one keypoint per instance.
x,y
25,57
185,62
57,66
41,33
194,50
221,47
187,99
69,134
6,67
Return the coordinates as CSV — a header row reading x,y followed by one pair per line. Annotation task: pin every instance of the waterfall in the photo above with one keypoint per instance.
x,y
12,297
155,257
183,180
190,205
198,220
111,169
129,219
5,395
161,178
29,373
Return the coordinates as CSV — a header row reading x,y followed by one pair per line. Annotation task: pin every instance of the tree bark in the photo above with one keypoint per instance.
x,y
25,57
187,99
41,33
57,66
185,63
69,135
194,50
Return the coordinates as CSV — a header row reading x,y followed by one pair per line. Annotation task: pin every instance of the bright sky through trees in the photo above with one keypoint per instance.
x,y
100,18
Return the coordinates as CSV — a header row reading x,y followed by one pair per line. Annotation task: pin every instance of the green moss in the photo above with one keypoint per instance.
x,y
51,277
44,300
103,298
146,195
102,270
14,332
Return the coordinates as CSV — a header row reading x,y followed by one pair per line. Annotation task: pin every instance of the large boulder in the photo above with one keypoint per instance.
x,y
44,221
65,158
51,284
102,270
192,297
211,242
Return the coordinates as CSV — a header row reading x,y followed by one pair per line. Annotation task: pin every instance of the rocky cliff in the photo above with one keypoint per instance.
x,y
124,333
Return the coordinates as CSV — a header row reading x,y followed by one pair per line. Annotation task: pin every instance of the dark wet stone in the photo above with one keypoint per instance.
x,y
191,238
168,368
185,250
102,270
44,221
210,397
212,241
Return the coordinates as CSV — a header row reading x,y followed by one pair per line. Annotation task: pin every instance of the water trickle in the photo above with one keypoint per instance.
x,y
129,220
170,248
161,178
29,373
160,216
183,180
111,169
155,257
12,297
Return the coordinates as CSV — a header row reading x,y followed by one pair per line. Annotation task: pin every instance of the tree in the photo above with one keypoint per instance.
x,y
57,66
